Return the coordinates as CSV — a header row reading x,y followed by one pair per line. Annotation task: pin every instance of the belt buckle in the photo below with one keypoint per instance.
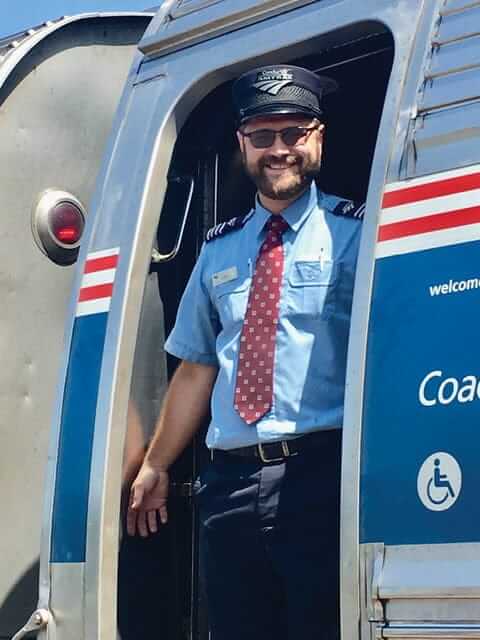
x,y
263,458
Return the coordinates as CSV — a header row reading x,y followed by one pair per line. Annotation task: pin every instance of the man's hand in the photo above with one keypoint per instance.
x,y
148,497
185,406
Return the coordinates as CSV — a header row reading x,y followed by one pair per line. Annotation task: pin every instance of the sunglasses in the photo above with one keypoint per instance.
x,y
290,136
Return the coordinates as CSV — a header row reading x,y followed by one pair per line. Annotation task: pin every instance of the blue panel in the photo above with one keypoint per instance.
x,y
412,333
76,439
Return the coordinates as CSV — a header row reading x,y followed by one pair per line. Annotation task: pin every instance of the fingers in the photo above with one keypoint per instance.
x,y
152,521
142,523
145,522
131,521
136,496
163,514
147,503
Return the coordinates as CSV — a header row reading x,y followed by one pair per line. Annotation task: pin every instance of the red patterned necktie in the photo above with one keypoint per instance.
x,y
254,384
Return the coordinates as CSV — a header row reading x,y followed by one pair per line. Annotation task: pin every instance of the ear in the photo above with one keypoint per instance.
x,y
241,142
321,134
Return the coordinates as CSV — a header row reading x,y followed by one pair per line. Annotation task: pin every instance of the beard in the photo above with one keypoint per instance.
x,y
290,183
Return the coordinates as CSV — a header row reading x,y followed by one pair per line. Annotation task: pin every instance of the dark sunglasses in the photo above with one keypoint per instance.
x,y
290,136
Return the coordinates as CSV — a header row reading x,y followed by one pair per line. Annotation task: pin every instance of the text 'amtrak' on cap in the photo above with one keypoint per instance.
x,y
280,89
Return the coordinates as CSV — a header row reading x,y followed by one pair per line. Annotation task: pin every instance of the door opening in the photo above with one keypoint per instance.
x,y
159,592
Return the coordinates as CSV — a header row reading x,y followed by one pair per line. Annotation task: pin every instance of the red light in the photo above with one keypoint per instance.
x,y
66,223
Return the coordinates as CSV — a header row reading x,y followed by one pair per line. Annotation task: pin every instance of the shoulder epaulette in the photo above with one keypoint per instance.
x,y
225,227
350,209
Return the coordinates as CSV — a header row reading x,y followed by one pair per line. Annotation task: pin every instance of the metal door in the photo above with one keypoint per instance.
x,y
419,512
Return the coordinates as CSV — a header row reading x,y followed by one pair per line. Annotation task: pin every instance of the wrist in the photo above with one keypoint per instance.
x,y
157,465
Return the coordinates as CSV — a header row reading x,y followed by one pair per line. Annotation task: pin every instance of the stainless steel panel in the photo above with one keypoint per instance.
x,y
418,588
213,21
445,140
433,609
55,116
68,593
455,56
451,89
459,25
431,571
450,632
141,133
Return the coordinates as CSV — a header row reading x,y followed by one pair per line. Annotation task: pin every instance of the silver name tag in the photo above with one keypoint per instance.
x,y
224,276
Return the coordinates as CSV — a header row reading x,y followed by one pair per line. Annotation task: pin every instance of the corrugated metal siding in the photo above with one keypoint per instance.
x,y
456,5
452,89
459,24
446,131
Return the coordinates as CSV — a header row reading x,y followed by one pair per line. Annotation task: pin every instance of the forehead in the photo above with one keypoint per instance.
x,y
276,122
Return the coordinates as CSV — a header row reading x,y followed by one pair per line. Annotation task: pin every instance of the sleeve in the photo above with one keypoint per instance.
x,y
194,335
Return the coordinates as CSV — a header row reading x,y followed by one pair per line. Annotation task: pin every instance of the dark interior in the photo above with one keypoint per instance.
x,y
159,593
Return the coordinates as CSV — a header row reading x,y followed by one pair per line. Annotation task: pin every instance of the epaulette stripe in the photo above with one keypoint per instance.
x,y
359,213
349,209
225,227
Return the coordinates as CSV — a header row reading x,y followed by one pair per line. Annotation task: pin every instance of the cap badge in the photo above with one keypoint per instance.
x,y
272,80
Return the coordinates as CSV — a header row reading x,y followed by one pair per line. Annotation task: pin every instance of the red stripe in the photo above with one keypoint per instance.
x,y
100,264
450,219
98,291
431,190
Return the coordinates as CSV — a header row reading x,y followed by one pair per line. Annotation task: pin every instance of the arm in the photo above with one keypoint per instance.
x,y
186,404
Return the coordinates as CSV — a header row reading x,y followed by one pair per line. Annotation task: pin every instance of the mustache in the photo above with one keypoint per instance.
x,y
290,160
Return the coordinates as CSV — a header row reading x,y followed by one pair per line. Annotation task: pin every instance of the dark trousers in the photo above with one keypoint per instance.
x,y
270,545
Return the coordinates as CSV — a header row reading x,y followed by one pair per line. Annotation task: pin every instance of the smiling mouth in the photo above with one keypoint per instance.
x,y
279,167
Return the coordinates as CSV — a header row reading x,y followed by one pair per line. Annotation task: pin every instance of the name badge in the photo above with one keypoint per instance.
x,y
224,276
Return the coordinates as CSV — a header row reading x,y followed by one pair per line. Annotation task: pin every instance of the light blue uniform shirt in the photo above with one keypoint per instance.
x,y
320,250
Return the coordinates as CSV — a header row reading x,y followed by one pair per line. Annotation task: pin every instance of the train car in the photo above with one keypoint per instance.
x,y
60,83
401,133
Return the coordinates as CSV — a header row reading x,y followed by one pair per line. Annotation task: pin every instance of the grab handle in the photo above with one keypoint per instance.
x,y
158,257
37,621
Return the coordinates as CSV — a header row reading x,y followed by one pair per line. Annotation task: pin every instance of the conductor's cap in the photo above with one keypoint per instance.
x,y
278,90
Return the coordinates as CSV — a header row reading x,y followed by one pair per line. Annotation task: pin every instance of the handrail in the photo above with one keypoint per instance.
x,y
158,257
38,620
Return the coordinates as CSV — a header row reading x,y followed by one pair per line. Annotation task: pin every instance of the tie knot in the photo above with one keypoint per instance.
x,y
277,223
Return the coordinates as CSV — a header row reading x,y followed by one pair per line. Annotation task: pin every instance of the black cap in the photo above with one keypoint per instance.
x,y
280,89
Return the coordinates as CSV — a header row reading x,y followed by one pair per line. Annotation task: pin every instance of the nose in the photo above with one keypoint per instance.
x,y
279,147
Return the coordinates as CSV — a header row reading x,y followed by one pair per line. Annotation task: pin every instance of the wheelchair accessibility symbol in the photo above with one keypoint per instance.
x,y
439,481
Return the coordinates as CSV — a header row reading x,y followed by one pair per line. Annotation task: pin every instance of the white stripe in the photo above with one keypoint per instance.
x,y
431,240
360,211
88,307
103,254
434,177
98,277
432,207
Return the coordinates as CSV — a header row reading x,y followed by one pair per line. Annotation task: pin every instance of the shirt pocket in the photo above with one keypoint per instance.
x,y
232,297
311,290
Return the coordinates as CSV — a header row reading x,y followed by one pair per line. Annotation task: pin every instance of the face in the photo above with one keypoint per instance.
x,y
282,172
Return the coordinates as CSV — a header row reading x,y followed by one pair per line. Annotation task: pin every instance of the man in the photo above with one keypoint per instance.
x,y
262,333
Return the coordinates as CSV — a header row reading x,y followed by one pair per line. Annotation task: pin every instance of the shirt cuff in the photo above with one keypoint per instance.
x,y
184,352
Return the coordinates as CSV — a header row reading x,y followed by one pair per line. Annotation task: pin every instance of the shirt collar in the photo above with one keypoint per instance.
x,y
295,214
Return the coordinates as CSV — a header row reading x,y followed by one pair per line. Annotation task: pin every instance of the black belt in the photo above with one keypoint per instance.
x,y
279,449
